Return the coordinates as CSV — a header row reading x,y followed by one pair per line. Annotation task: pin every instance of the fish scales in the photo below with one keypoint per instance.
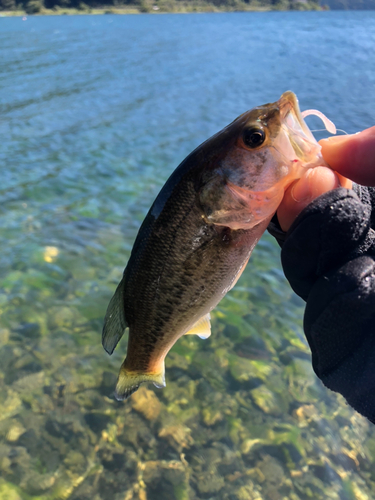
x,y
160,292
199,233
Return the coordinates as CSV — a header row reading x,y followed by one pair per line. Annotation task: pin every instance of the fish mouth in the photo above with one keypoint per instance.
x,y
299,134
289,108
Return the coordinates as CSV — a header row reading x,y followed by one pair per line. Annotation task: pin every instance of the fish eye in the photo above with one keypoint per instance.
x,y
253,137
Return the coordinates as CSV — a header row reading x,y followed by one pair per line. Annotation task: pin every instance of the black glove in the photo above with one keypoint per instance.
x,y
328,256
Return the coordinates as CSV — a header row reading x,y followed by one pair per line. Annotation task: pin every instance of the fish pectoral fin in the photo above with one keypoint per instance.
x,y
114,321
202,327
128,382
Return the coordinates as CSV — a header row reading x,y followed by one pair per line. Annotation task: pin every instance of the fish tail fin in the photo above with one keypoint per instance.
x,y
128,382
114,321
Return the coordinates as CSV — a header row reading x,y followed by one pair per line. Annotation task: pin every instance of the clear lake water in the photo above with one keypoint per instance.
x,y
95,113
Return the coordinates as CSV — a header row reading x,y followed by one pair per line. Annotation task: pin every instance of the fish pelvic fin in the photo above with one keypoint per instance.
x,y
128,382
114,321
202,327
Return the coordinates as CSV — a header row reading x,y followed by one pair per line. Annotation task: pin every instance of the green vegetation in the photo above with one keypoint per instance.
x,y
351,4
18,7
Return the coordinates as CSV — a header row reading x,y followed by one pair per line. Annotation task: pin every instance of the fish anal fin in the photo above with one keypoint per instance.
x,y
114,321
202,327
128,382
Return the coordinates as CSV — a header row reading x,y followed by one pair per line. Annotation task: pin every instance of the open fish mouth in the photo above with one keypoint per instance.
x,y
293,123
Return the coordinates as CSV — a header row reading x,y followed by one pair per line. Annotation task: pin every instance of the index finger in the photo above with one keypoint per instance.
x,y
352,156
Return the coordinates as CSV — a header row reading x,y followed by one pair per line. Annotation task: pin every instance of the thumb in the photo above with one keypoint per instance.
x,y
312,184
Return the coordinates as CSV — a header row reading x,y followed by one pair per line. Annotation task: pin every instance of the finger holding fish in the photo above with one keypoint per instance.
x,y
312,184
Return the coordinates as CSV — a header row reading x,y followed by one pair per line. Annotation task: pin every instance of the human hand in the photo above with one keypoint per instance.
x,y
350,157
328,257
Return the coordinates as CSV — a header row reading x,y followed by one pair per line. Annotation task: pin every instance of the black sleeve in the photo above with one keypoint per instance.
x,y
328,256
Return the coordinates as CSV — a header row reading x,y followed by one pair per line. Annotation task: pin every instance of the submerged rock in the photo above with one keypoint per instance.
x,y
145,402
11,406
37,484
29,330
268,401
15,432
62,317
9,491
271,470
75,461
211,415
97,421
165,479
173,471
209,482
178,436
4,336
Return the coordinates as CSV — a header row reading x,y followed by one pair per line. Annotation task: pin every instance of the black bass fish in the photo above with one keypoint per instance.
x,y
200,231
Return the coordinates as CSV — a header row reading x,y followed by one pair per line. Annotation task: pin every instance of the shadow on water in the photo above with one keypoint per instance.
x,y
94,119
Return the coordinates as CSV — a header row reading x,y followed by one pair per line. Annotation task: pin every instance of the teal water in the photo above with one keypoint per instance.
x,y
95,113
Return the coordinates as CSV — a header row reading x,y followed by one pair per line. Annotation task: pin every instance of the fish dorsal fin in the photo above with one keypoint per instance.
x,y
202,327
114,321
128,382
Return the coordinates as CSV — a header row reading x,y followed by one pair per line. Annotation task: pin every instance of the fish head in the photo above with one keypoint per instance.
x,y
272,146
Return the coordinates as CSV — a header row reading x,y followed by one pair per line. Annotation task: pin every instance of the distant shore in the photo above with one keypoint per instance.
x,y
153,9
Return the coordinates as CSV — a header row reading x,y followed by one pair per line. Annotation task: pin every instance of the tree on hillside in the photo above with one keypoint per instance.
x,y
7,4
